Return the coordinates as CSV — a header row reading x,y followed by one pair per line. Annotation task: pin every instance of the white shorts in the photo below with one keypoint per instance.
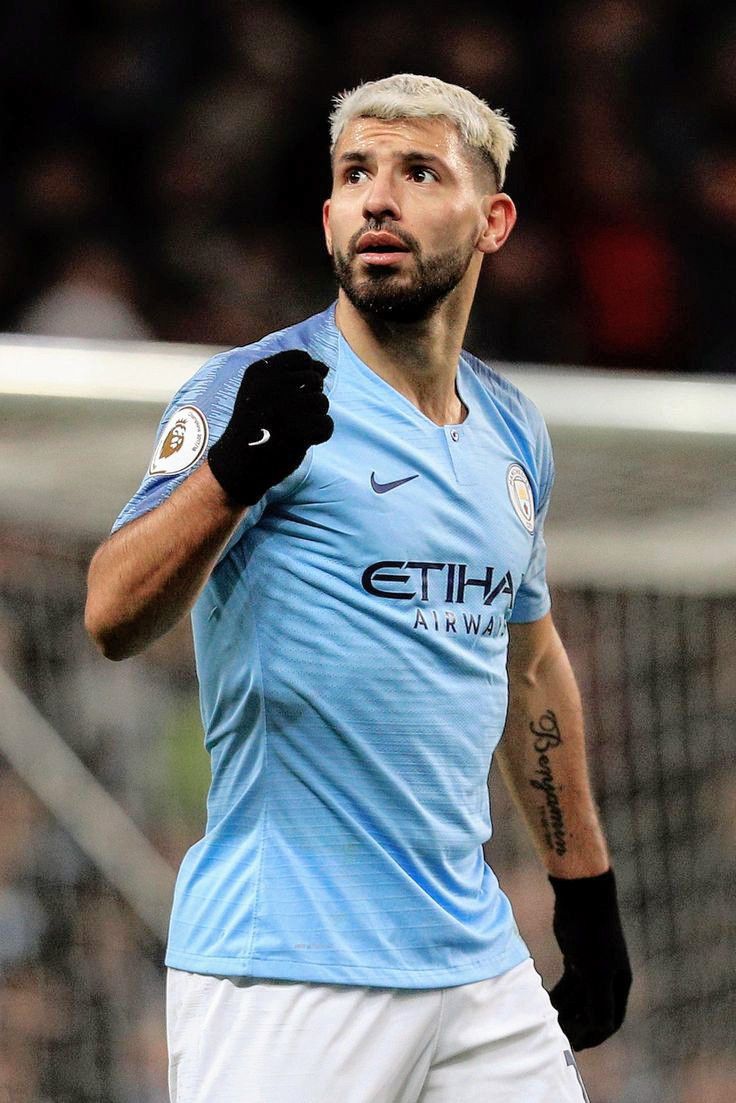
x,y
246,1040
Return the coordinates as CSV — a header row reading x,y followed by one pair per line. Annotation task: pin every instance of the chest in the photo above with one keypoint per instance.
x,y
420,512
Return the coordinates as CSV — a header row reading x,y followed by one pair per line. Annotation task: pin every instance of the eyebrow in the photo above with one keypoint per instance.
x,y
356,156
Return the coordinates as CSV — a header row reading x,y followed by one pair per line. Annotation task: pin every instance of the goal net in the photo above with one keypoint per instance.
x,y
103,776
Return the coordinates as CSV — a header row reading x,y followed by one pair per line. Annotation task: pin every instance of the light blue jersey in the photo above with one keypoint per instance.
x,y
351,653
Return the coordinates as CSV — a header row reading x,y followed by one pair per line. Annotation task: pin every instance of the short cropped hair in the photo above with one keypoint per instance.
x,y
404,95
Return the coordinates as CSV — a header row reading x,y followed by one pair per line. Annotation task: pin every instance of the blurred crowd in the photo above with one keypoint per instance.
x,y
81,975
81,992
165,164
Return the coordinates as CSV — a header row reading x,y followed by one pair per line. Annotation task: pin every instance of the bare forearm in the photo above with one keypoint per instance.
x,y
542,757
148,575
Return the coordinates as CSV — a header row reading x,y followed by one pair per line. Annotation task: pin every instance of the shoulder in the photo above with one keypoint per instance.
x,y
522,419
215,384
506,396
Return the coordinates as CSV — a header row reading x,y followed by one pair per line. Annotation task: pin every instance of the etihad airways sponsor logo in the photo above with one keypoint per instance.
x,y
449,583
443,584
470,624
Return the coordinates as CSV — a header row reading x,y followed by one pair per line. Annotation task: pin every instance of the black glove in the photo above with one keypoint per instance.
x,y
279,412
590,998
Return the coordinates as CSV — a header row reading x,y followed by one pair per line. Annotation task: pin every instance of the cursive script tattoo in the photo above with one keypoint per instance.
x,y
547,737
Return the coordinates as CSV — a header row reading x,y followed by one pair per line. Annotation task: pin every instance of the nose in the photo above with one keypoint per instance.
x,y
381,200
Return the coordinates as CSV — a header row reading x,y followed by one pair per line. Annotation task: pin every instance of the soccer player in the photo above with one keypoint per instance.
x,y
370,612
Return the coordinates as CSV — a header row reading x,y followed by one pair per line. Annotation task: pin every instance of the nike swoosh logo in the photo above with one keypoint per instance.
x,y
266,436
382,488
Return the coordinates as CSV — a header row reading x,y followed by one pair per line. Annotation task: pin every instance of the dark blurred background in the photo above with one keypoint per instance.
x,y
163,170
165,163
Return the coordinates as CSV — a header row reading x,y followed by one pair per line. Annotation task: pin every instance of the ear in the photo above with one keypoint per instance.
x,y
500,218
326,225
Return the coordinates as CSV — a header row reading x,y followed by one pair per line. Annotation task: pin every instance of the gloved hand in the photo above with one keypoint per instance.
x,y
280,410
590,998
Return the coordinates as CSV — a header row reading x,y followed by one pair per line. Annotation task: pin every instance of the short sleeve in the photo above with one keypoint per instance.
x,y
533,599
194,419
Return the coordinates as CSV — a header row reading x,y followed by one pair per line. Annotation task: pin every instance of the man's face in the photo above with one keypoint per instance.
x,y
405,216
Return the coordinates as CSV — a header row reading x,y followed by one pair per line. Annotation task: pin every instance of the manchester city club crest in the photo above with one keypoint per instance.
x,y
520,493
182,442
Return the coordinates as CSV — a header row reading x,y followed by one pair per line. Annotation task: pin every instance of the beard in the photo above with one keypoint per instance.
x,y
401,297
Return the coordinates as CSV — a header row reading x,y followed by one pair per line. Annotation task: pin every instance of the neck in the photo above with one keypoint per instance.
x,y
417,359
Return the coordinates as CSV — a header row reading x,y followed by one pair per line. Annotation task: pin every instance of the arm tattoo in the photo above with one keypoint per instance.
x,y
546,734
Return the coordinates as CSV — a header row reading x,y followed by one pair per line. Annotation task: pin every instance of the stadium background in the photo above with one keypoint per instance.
x,y
163,173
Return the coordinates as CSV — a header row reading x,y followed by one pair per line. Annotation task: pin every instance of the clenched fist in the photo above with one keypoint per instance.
x,y
280,411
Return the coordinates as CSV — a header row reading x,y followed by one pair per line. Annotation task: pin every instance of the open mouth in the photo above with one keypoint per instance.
x,y
381,244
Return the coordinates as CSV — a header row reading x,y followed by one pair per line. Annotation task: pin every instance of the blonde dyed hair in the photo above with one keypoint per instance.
x,y
406,96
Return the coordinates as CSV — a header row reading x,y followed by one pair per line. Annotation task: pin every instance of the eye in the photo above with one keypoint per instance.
x,y
421,174
354,176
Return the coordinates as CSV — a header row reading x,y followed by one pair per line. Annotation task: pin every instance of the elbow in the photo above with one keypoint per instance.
x,y
107,639
103,615
112,649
